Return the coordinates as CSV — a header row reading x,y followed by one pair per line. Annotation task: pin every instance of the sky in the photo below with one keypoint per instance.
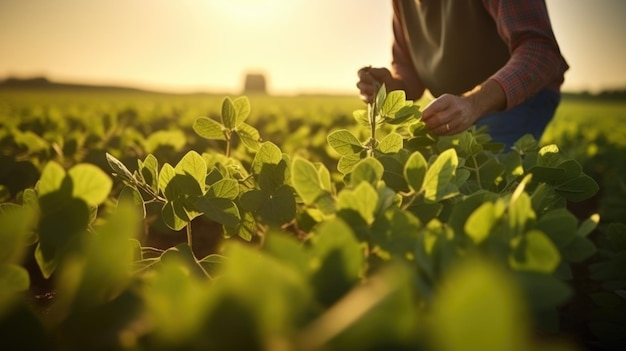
x,y
300,45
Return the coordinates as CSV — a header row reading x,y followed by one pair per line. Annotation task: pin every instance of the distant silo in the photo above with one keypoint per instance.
x,y
255,83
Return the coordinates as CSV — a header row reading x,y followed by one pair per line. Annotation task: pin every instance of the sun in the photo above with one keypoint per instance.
x,y
254,11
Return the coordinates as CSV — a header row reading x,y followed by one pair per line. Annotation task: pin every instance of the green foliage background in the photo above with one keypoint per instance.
x,y
296,223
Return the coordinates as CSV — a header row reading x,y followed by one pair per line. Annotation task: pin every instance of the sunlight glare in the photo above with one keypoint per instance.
x,y
252,11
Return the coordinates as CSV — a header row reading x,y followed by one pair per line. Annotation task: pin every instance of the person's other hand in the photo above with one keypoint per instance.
x,y
449,114
370,80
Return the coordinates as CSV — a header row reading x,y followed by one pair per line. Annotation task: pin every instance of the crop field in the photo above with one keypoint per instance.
x,y
145,221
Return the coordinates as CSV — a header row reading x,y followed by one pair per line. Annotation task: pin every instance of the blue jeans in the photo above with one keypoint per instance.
x,y
530,117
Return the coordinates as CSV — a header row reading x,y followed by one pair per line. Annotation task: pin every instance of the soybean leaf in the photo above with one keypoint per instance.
x,y
479,308
468,146
345,143
223,211
174,215
361,117
229,114
560,225
245,229
489,170
394,101
194,165
14,279
363,199
407,113
439,175
381,96
547,174
249,136
108,257
526,145
480,223
268,153
17,223
543,291
588,225
288,250
226,188
64,220
212,264
394,173
209,129
253,200
520,213
280,206
367,170
579,249
118,167
214,175
324,174
305,180
273,175
90,183
572,168
347,163
579,188
538,253
549,156
390,144
51,178
415,171
242,109
132,195
341,260
325,203
165,176
149,172
175,139
30,140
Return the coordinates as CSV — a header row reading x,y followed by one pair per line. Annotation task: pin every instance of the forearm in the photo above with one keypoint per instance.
x,y
486,98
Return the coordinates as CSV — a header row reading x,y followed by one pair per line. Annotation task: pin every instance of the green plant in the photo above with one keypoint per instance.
x,y
419,243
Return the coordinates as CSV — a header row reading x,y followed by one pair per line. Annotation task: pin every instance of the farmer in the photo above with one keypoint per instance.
x,y
489,62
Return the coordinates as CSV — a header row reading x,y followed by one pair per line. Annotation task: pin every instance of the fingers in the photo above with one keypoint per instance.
x,y
380,74
436,106
370,80
367,91
439,126
367,85
442,116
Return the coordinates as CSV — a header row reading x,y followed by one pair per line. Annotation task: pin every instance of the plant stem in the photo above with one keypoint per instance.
x,y
372,119
227,135
189,237
477,170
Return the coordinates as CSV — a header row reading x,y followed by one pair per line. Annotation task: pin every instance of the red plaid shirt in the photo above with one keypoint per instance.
x,y
535,61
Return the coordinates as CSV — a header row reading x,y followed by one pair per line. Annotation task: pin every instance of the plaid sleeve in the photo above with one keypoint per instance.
x,y
536,61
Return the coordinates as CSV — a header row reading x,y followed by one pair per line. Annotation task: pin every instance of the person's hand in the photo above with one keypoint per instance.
x,y
370,80
449,114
